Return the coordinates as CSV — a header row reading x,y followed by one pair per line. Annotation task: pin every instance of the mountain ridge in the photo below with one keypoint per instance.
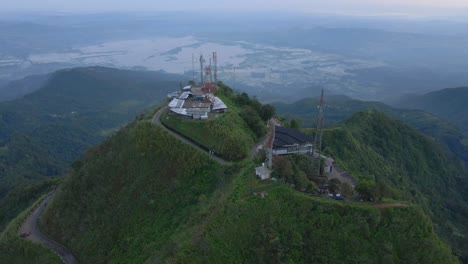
x,y
226,221
448,103
73,110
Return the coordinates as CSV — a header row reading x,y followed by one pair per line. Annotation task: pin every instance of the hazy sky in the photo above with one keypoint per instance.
x,y
358,7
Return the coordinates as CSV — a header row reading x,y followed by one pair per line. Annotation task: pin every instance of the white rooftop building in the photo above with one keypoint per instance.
x,y
263,173
176,103
219,105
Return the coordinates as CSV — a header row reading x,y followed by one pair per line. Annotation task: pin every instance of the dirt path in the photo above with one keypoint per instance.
x,y
31,225
388,205
157,120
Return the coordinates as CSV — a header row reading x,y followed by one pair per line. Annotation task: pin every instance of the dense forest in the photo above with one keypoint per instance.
x,y
183,207
393,160
43,132
338,108
144,196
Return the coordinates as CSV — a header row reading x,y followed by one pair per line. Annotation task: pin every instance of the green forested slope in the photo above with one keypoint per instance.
x,y
230,135
18,88
17,250
290,227
450,104
144,197
127,197
338,108
405,165
44,131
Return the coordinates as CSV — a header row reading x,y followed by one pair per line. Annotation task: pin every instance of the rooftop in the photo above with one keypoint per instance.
x,y
285,136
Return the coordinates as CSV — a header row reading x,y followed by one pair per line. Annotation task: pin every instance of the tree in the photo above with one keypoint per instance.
x,y
254,122
294,123
268,111
334,185
282,168
367,189
346,189
301,181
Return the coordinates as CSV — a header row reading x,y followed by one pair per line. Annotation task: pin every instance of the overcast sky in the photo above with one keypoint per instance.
x,y
353,7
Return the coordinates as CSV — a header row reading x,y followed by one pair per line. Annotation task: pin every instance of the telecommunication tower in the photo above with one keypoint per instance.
x,y
202,60
318,136
215,62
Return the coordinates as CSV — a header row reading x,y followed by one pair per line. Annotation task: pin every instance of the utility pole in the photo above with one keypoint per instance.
x,y
318,137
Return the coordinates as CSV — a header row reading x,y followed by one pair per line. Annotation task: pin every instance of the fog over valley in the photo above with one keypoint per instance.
x,y
298,54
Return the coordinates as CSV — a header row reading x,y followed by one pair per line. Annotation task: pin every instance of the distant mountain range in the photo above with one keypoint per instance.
x,y
18,88
450,104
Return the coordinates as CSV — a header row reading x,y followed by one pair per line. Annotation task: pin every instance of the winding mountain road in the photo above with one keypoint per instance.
x,y
157,120
31,225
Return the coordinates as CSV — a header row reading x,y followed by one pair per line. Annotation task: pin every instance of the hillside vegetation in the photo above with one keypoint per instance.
x,y
42,133
290,227
450,104
338,108
229,135
19,88
17,250
142,196
135,191
395,161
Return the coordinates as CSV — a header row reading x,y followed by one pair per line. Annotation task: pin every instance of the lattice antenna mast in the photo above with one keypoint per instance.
x,y
193,68
201,68
208,72
319,135
215,61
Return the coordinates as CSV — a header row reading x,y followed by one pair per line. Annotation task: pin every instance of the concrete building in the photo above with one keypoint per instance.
x,y
263,173
197,101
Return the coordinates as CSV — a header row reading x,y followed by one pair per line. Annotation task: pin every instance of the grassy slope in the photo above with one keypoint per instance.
x,y
144,196
371,145
14,249
228,134
225,134
42,133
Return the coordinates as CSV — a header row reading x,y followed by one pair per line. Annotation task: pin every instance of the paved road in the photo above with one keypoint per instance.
x,y
31,225
156,120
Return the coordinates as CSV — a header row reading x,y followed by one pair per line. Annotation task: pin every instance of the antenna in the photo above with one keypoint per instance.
x,y
193,69
208,72
318,136
201,68
234,77
215,61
